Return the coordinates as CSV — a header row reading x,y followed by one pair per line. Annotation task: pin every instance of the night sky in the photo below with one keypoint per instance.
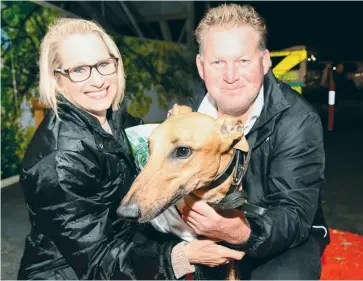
x,y
334,28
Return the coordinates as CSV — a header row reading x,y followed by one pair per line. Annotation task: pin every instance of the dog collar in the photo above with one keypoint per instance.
x,y
233,165
236,197
238,200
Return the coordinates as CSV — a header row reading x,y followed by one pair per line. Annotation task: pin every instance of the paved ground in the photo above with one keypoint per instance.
x,y
14,228
342,201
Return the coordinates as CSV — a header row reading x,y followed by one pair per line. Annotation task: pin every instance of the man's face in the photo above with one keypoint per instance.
x,y
233,67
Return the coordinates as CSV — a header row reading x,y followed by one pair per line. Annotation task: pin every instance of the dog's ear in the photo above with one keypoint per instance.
x,y
231,131
179,110
242,144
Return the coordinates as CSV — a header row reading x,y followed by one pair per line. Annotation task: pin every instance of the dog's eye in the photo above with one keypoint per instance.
x,y
183,152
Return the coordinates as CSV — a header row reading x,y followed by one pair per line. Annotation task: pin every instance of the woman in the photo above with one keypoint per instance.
x,y
79,166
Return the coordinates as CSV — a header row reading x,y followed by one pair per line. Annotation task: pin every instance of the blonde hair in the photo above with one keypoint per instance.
x,y
231,15
50,60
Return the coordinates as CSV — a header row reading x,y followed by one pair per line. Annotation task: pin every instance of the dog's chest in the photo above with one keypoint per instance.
x,y
170,222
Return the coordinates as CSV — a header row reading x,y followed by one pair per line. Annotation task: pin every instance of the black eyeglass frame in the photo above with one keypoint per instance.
x,y
66,72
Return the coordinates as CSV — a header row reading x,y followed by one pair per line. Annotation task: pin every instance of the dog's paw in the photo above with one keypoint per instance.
x,y
179,110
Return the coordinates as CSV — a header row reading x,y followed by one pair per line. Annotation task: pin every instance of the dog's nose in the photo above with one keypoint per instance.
x,y
129,212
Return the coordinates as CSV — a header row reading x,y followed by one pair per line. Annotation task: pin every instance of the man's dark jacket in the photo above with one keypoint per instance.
x,y
285,173
74,175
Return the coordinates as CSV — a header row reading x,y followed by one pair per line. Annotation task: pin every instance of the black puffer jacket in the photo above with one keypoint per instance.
x,y
74,175
285,174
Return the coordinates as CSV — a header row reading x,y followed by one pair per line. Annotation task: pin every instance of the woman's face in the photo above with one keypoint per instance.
x,y
95,94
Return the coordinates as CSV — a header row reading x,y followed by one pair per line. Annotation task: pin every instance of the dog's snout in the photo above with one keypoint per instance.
x,y
129,211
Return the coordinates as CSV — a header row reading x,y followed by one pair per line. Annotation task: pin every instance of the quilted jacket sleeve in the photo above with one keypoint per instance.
x,y
72,212
296,174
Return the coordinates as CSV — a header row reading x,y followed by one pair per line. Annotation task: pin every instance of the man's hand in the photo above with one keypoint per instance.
x,y
231,226
208,253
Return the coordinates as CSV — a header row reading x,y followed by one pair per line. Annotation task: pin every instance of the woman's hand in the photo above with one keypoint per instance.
x,y
208,253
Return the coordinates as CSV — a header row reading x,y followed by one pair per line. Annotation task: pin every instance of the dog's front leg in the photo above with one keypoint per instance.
x,y
232,271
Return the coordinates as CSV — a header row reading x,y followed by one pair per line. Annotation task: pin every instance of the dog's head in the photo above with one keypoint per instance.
x,y
187,152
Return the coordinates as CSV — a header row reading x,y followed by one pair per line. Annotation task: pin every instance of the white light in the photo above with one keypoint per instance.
x,y
334,68
309,59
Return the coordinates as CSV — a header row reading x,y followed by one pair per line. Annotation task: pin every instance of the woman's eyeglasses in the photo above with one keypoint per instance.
x,y
83,72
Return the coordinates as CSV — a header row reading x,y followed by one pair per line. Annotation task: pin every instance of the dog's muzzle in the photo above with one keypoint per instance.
x,y
129,211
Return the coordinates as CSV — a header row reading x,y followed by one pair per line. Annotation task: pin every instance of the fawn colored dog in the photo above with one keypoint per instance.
x,y
187,153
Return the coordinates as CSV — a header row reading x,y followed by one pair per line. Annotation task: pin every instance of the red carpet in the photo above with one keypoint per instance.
x,y
343,258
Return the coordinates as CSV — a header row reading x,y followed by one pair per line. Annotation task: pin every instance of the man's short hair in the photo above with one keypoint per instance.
x,y
230,15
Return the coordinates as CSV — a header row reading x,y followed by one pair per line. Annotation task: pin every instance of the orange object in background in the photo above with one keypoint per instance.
x,y
39,110
343,257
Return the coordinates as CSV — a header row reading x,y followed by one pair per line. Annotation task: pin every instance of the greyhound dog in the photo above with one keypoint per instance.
x,y
191,154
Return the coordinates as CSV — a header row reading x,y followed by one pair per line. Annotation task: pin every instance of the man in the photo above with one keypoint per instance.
x,y
286,170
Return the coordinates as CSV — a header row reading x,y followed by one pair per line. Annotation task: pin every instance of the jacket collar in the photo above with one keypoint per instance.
x,y
116,143
209,107
275,103
69,111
